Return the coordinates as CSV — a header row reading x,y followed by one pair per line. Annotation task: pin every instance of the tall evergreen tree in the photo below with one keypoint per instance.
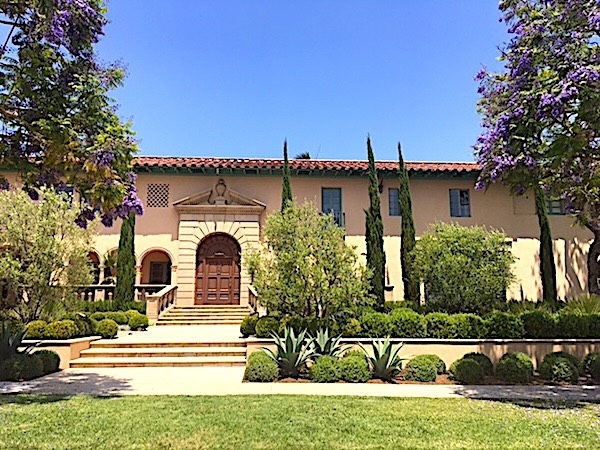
x,y
286,190
125,289
374,232
407,238
547,266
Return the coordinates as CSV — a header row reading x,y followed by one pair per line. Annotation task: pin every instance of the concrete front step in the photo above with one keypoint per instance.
x,y
198,322
191,317
207,313
162,361
210,308
156,352
161,345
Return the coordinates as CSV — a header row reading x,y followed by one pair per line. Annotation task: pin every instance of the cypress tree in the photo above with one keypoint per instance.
x,y
286,190
547,266
125,289
374,232
407,238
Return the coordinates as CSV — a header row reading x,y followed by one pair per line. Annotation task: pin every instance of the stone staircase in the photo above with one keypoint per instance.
x,y
203,315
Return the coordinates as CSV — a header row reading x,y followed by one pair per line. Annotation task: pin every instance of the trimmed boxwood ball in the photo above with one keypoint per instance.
x,y
587,361
50,360
515,368
265,326
351,328
539,324
86,326
61,329
595,369
376,324
354,368
483,360
326,369
503,325
466,371
107,328
573,326
439,326
138,321
355,354
248,325
559,370
21,367
468,326
574,359
421,368
407,323
98,316
261,368
119,316
36,329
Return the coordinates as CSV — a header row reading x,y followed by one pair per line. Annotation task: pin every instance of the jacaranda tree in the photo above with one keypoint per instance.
x,y
58,121
541,115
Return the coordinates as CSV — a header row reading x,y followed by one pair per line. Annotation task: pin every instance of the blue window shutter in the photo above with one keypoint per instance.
x,y
454,202
465,203
393,199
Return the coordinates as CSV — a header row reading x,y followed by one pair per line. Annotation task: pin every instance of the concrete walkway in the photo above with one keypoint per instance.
x,y
228,381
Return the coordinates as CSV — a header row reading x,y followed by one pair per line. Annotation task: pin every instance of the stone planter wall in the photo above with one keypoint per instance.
x,y
68,349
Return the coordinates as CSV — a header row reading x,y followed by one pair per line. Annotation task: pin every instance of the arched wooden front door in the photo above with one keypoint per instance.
x,y
218,271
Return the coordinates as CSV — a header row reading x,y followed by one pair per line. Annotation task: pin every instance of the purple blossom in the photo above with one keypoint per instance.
x,y
103,158
4,184
81,221
481,74
107,220
594,20
480,185
131,204
33,194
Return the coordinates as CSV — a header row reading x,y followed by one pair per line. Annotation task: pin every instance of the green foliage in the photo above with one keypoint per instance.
x,y
384,361
355,353
564,355
266,326
14,325
583,304
286,189
483,361
108,306
248,325
20,367
438,362
137,321
107,328
125,289
595,369
410,280
465,269
10,343
514,368
261,368
292,352
374,232
36,329
407,323
304,267
117,316
376,325
98,316
539,324
421,368
86,326
502,325
325,345
572,326
61,329
354,367
466,371
50,360
439,326
467,326
42,267
587,362
547,265
326,369
352,328
558,368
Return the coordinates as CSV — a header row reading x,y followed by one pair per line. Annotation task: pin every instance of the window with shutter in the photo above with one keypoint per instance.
x,y
460,203
394,201
331,203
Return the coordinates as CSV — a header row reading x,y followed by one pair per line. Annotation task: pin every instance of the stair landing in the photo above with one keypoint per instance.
x,y
203,315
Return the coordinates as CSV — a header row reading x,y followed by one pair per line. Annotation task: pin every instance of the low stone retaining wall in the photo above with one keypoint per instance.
x,y
452,349
67,349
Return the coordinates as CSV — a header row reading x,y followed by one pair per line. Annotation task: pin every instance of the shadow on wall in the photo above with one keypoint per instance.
x,y
577,251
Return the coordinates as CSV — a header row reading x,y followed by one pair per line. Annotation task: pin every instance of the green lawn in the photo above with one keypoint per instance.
x,y
283,422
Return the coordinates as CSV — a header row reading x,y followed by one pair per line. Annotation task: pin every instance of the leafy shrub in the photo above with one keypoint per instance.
x,y
248,325
595,369
440,365
355,354
86,326
514,368
483,360
61,329
36,329
137,321
502,325
572,326
109,305
21,367
421,368
265,326
326,369
587,361
594,326
14,325
555,355
354,367
466,371
558,369
467,326
98,316
439,326
292,352
50,360
107,328
261,368
385,362
390,306
407,323
376,325
539,324
583,305
351,328
119,316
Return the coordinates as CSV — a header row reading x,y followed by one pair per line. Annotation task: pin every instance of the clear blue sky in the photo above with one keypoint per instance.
x,y
234,78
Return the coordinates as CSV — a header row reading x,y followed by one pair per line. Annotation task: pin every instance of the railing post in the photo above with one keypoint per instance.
x,y
152,309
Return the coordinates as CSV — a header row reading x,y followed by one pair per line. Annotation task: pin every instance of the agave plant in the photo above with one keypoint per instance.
x,y
292,351
384,361
10,343
326,345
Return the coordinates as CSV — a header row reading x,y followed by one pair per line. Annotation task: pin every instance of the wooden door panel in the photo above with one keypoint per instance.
x,y
217,272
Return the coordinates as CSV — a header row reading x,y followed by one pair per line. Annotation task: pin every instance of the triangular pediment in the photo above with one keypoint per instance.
x,y
219,198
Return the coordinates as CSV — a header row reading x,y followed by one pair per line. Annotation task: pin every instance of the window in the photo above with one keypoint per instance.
x,y
555,207
460,203
394,201
331,203
160,273
158,196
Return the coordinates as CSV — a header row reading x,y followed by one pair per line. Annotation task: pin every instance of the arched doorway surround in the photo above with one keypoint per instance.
x,y
218,271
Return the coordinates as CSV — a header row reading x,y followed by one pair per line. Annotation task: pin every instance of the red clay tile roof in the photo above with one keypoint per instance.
x,y
150,162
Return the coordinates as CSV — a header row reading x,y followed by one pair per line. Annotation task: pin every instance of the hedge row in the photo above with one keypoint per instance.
x,y
21,367
407,323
